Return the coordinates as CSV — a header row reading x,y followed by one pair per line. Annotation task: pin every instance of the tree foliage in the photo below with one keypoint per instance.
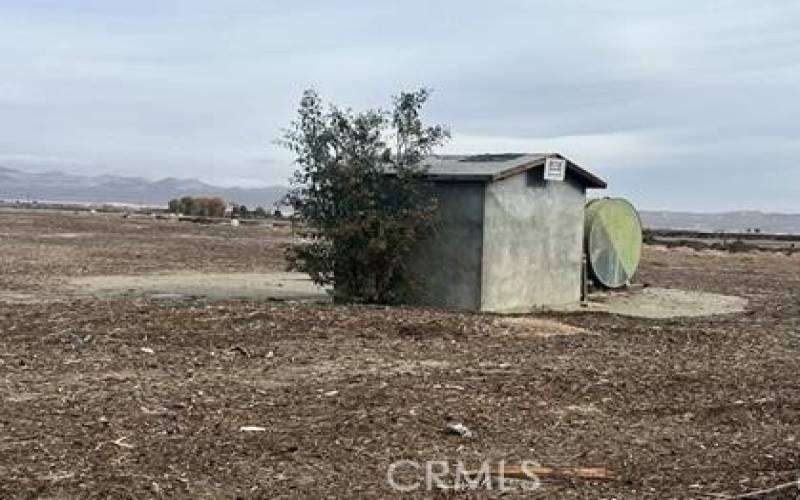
x,y
360,189
240,212
198,206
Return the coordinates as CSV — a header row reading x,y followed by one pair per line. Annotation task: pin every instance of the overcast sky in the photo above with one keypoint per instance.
x,y
678,104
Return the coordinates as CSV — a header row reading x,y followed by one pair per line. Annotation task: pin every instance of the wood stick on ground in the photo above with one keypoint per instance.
x,y
544,472
764,492
121,443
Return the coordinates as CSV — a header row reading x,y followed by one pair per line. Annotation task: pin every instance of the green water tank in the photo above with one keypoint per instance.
x,y
613,241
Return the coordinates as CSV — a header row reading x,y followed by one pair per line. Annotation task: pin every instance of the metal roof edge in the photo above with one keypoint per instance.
x,y
458,178
592,181
519,169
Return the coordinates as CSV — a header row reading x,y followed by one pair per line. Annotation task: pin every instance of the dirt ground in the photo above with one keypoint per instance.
x,y
43,247
134,397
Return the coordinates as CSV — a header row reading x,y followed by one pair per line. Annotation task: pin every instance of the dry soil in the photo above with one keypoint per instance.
x,y
137,397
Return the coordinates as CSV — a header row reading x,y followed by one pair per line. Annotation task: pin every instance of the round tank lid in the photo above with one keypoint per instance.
x,y
613,241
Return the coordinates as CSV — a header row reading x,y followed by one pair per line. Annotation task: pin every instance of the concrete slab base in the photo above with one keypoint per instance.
x,y
216,286
661,303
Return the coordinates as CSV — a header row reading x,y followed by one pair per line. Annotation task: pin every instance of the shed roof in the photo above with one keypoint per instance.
x,y
493,167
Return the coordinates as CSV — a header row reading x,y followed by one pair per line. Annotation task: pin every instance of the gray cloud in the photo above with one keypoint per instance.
x,y
678,103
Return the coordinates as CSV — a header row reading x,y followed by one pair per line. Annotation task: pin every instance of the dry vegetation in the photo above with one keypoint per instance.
x,y
678,408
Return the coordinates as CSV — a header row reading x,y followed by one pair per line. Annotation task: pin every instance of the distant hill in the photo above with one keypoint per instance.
x,y
60,186
725,221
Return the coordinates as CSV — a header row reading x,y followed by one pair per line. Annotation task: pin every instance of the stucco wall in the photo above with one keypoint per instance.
x,y
532,243
447,266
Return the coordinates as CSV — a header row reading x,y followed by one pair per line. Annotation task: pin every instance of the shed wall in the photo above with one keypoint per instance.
x,y
447,265
532,243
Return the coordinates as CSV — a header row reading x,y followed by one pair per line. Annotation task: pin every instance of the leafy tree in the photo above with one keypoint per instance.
x,y
187,205
260,213
204,206
239,212
360,190
215,207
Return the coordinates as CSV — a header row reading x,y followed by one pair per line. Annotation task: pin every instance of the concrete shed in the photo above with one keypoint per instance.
x,y
507,239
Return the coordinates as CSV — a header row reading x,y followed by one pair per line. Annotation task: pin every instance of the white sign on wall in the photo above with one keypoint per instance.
x,y
555,169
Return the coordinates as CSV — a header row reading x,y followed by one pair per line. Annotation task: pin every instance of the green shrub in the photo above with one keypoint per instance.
x,y
359,186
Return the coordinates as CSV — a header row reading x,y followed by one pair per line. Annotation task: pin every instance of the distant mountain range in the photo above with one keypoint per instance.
x,y
726,221
63,187
60,186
